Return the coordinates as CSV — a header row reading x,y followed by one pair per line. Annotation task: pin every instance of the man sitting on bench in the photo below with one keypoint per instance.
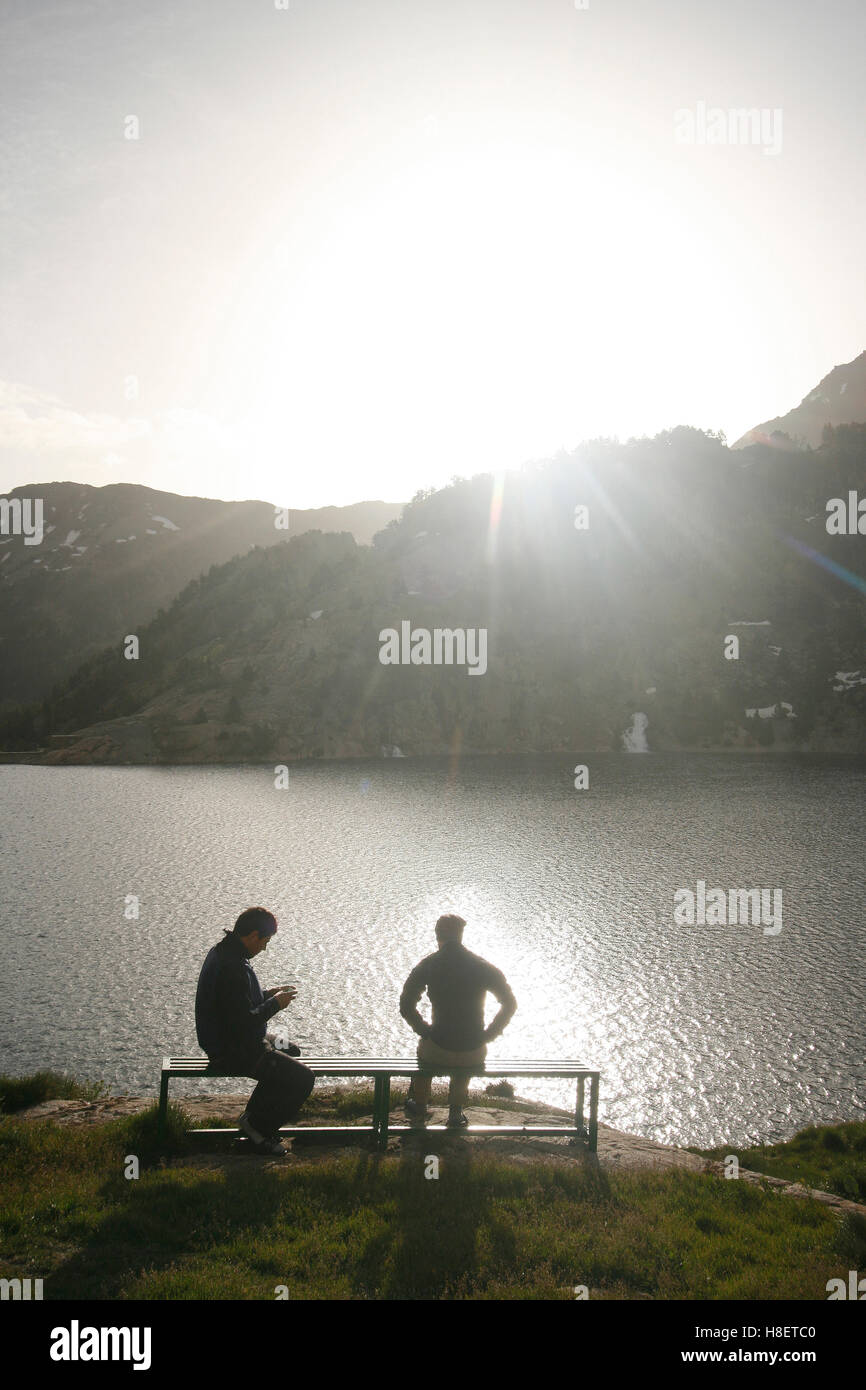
x,y
231,1015
456,982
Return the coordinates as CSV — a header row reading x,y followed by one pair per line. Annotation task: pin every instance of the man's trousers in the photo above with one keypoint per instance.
x,y
430,1054
284,1085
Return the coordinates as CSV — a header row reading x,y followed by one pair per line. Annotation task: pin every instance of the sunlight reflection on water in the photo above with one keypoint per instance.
x,y
702,1034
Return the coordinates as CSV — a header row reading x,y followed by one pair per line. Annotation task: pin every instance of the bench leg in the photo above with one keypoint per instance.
x,y
377,1105
593,1114
163,1106
578,1109
384,1110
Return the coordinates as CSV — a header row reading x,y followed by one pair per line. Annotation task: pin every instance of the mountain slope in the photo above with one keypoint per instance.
x,y
839,399
112,556
276,655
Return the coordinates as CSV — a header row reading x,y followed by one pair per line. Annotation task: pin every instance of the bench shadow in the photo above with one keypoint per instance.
x,y
429,1248
152,1228
427,1213
426,1247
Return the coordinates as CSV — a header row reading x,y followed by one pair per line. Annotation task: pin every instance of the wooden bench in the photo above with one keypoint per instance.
x,y
382,1069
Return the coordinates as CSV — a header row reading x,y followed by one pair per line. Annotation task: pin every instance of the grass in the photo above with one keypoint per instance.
x,y
19,1092
370,1226
831,1158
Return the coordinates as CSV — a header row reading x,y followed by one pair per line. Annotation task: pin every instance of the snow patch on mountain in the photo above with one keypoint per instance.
x,y
769,711
848,680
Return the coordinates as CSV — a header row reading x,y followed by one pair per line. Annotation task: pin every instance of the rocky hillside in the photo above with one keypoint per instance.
x,y
111,557
839,399
591,617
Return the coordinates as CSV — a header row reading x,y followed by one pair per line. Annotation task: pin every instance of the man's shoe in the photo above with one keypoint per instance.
x,y
414,1110
270,1144
456,1119
254,1135
416,1114
272,1148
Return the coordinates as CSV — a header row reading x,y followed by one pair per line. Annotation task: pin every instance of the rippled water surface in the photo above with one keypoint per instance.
x,y
703,1034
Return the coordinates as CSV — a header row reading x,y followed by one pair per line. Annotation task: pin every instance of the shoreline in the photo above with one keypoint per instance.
x,y
73,758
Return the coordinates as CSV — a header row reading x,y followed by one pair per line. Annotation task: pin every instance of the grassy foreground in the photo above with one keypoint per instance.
x,y
369,1226
18,1092
831,1158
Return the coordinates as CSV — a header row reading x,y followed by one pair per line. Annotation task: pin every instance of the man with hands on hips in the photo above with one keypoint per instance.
x,y
457,983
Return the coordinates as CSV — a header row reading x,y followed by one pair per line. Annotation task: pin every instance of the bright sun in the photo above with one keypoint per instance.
x,y
479,309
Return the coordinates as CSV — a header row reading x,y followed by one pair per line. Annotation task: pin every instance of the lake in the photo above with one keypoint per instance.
x,y
704,1033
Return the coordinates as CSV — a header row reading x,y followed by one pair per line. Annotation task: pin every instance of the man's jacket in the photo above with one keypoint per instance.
x,y
456,982
231,1013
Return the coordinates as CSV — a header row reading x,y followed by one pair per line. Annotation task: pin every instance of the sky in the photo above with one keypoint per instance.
x,y
317,251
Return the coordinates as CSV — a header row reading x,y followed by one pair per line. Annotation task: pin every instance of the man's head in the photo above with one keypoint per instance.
x,y
255,927
449,928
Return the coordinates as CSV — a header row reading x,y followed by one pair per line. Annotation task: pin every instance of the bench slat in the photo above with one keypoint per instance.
x,y
384,1063
384,1069
304,1130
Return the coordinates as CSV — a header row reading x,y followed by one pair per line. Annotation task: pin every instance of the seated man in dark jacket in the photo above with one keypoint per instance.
x,y
456,982
231,1015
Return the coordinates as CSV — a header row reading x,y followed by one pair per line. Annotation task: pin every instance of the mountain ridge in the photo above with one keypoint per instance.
x,y
124,551
276,655
838,399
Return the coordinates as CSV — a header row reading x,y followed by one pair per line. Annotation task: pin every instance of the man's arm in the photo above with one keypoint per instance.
x,y
500,988
239,1015
412,991
284,993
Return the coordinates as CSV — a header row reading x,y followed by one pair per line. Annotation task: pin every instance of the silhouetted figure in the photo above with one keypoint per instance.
x,y
456,982
231,1015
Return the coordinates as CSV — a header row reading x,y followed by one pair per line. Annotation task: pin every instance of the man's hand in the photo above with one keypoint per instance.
x,y
284,996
